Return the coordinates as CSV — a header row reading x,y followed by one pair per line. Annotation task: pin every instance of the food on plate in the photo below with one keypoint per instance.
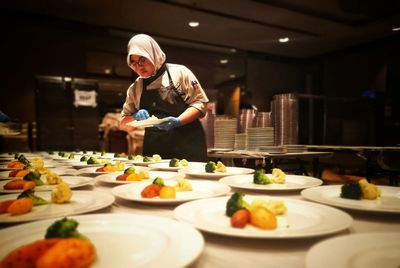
x,y
109,167
34,176
37,200
61,194
4,205
16,164
277,176
84,158
154,158
360,190
93,160
135,157
175,162
260,213
18,173
133,174
53,178
124,155
19,184
63,246
20,206
212,167
160,189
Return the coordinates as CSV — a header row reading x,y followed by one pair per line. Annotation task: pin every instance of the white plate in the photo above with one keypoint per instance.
x,y
389,201
165,166
112,178
147,123
137,240
201,189
199,172
81,202
293,182
81,165
365,250
72,181
303,219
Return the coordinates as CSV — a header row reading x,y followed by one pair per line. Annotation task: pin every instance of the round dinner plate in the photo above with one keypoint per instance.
x,y
303,219
389,202
92,171
121,240
200,189
111,178
363,250
165,166
199,172
81,202
72,181
293,182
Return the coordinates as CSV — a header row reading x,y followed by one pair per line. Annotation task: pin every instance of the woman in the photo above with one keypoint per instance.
x,y
168,91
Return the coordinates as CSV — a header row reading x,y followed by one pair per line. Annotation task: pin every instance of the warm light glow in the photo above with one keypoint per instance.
x,y
194,24
223,61
233,50
395,29
284,40
232,76
107,71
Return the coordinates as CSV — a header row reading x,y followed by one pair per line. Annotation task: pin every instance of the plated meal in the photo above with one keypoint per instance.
x,y
145,174
175,164
300,218
212,170
157,240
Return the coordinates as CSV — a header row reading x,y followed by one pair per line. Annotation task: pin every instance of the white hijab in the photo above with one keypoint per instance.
x,y
146,46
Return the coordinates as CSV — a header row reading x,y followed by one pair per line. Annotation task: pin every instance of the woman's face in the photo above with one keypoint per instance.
x,y
141,65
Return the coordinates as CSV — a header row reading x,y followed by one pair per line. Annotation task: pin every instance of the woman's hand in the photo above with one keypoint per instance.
x,y
172,122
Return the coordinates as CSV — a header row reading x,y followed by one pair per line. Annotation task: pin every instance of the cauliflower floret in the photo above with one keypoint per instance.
x,y
183,163
157,157
120,166
276,207
138,157
220,167
183,185
278,176
369,191
52,178
61,194
144,174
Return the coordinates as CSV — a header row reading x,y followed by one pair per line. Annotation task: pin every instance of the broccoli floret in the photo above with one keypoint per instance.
x,y
351,191
147,159
158,181
130,157
64,228
37,200
50,152
103,153
23,160
71,156
259,177
84,158
211,167
235,203
35,177
62,154
174,162
93,160
129,170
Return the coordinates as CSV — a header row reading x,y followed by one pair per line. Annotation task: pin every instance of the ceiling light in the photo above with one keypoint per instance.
x,y
223,61
395,29
232,76
284,40
233,50
194,24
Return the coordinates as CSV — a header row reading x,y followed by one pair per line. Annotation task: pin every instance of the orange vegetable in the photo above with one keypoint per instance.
x,y
240,218
263,218
167,192
122,177
134,177
109,169
22,173
29,185
4,205
15,184
26,256
150,191
100,169
15,164
20,206
13,173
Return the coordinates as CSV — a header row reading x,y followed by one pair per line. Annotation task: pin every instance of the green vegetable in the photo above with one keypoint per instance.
x,y
23,160
235,203
259,177
147,159
35,177
130,157
129,170
351,191
84,158
158,181
37,200
71,156
93,160
103,153
50,152
211,167
64,228
174,162
61,154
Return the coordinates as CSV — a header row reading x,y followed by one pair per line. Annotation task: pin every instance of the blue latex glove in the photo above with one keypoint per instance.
x,y
172,122
142,114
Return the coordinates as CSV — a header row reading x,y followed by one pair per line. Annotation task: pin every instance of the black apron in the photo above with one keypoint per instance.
x,y
184,142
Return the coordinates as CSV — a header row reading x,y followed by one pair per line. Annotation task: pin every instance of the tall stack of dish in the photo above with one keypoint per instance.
x,y
246,119
263,119
285,114
225,129
259,136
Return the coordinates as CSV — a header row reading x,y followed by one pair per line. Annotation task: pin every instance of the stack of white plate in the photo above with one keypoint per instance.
x,y
224,132
273,149
259,136
296,148
240,141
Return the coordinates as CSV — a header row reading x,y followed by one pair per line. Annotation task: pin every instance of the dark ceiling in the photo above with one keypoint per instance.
x,y
314,27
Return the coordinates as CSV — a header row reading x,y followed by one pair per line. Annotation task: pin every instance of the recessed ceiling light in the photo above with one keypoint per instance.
x,y
232,76
194,24
395,29
233,50
223,61
284,40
